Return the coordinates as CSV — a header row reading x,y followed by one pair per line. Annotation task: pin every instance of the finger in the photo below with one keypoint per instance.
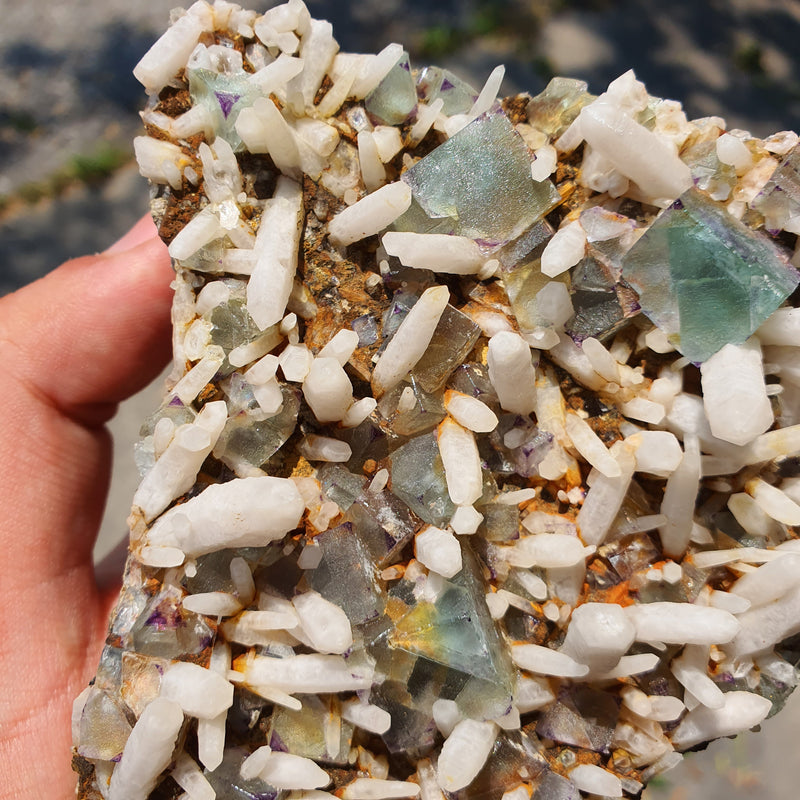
x,y
108,571
72,345
92,332
143,230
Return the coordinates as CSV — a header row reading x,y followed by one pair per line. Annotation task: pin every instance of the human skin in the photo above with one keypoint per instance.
x,y
72,346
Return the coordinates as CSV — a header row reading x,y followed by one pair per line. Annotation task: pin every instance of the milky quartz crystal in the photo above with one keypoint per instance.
x,y
475,475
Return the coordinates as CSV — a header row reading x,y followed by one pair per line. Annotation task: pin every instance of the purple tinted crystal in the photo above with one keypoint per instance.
x,y
227,101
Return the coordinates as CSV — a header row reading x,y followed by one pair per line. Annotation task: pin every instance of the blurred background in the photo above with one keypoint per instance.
x,y
68,185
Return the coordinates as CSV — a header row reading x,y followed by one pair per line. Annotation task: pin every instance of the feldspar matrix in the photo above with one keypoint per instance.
x,y
476,475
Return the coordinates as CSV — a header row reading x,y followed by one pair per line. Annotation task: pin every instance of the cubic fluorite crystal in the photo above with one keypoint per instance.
x,y
478,179
430,508
704,278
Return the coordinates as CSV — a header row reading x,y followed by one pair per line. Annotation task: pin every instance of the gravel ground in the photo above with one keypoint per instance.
x,y
68,109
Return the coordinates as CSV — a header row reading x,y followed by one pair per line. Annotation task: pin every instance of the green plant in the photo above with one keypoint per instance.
x,y
97,165
439,40
748,56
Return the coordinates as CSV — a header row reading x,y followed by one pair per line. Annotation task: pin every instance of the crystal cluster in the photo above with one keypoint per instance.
x,y
476,477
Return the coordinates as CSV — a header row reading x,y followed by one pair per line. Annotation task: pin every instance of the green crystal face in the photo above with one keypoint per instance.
x,y
704,278
453,631
454,337
457,96
299,732
224,96
418,479
480,179
395,97
557,106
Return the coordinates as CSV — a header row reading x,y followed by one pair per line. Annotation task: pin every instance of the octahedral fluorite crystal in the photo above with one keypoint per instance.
x,y
439,502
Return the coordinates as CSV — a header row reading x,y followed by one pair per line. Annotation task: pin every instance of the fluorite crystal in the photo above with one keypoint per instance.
x,y
705,279
395,97
430,508
478,179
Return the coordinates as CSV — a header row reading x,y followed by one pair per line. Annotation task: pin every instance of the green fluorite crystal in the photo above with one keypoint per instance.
x,y
559,104
454,337
457,96
455,631
223,96
480,179
418,479
704,278
300,732
395,97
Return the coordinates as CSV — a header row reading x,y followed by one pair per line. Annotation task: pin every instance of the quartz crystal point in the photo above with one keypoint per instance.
x,y
437,502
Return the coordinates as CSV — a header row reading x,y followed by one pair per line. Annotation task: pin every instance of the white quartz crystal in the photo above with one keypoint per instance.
x,y
176,470
371,214
410,340
462,463
289,771
466,520
170,52
147,752
765,626
691,670
564,250
307,674
678,502
470,412
599,634
377,789
635,152
435,251
200,692
596,780
605,497
328,390
438,550
682,623
549,550
512,372
741,711
544,661
244,512
191,779
774,502
657,452
276,247
770,581
369,717
215,604
590,446
464,753
324,623
162,162
734,393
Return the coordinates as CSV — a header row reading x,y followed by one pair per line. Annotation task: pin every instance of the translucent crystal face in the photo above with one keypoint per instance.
x,y
431,507
706,279
395,98
457,96
480,179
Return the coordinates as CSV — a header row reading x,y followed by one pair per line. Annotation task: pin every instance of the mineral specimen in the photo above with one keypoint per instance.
x,y
433,507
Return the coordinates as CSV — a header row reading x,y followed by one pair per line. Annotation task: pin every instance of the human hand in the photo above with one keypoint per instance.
x,y
72,346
